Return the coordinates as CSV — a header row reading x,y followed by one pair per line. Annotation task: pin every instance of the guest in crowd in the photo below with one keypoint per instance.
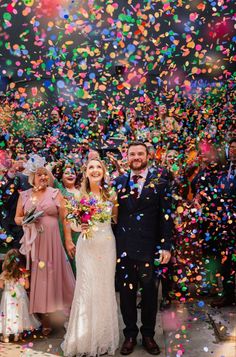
x,y
12,182
14,309
226,229
215,194
67,180
52,279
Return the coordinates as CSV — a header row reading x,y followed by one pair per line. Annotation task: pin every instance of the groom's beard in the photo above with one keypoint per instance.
x,y
136,165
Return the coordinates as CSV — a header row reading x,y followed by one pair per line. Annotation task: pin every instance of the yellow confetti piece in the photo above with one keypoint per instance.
x,y
110,9
84,66
41,265
191,44
180,209
9,239
68,43
126,28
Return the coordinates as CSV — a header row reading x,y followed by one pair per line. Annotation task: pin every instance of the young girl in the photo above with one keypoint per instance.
x,y
14,312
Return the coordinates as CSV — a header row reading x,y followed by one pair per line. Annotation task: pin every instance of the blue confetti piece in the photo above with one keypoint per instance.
x,y
201,303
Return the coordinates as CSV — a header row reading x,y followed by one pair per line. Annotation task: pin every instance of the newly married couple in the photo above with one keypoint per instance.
x,y
141,210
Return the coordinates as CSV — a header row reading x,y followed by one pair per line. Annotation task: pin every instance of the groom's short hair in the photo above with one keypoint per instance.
x,y
138,143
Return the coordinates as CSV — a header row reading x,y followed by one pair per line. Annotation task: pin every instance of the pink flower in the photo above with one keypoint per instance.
x,y
82,201
85,218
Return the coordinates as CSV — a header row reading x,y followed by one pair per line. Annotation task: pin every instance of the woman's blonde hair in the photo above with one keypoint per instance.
x,y
32,174
106,191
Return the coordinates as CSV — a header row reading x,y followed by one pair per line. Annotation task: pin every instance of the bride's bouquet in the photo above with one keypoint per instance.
x,y
88,210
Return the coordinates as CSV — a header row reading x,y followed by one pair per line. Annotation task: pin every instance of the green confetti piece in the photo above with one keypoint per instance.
x,y
7,16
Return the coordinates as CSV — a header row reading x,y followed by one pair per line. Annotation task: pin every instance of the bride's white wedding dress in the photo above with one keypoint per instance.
x,y
93,324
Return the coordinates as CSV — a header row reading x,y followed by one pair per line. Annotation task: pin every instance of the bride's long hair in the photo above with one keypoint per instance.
x,y
106,189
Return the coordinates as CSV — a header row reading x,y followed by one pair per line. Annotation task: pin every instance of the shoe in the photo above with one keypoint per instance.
x,y
222,302
128,346
165,304
46,331
16,338
5,339
151,346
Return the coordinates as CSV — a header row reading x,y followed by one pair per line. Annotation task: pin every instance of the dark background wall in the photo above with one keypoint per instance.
x,y
71,52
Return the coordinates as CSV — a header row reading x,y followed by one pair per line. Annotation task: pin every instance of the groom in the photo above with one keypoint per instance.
x,y
143,234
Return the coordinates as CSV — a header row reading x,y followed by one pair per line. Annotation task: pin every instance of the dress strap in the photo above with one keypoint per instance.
x,y
54,196
55,192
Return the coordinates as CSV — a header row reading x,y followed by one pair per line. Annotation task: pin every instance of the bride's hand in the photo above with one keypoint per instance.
x,y
70,248
84,227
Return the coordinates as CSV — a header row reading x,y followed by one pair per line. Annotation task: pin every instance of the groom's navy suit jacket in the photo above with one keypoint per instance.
x,y
144,224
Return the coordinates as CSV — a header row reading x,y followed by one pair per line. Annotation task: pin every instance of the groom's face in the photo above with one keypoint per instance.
x,y
137,158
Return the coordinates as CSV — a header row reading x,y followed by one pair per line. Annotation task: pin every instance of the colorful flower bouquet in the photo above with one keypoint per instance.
x,y
88,210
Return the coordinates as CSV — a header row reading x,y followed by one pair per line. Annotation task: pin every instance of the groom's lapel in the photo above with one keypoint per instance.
x,y
146,185
146,188
125,195
137,202
132,202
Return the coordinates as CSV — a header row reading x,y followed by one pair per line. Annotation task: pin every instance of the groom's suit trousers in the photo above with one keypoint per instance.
x,y
134,274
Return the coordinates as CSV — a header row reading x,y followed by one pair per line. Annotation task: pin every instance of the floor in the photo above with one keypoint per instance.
x,y
192,329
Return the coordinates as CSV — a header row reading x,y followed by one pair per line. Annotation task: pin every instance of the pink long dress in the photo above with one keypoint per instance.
x,y
52,280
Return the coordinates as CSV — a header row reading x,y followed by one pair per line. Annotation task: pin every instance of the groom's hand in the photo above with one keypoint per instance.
x,y
165,256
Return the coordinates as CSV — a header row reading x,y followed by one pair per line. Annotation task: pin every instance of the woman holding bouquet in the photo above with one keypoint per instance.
x,y
93,324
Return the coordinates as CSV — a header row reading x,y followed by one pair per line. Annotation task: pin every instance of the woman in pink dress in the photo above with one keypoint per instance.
x,y
52,279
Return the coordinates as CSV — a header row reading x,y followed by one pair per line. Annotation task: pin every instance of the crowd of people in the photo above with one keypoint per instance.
x,y
167,172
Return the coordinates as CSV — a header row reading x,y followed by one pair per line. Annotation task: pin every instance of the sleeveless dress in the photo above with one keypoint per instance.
x,y
52,280
93,324
67,195
14,310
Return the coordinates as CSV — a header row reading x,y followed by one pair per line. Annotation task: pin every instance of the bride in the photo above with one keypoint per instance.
x,y
93,323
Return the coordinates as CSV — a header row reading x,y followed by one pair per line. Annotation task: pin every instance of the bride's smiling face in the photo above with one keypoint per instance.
x,y
95,172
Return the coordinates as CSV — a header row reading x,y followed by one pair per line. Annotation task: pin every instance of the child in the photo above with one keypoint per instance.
x,y
14,313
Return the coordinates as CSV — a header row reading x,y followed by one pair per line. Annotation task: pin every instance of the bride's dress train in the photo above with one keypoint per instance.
x,y
93,324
